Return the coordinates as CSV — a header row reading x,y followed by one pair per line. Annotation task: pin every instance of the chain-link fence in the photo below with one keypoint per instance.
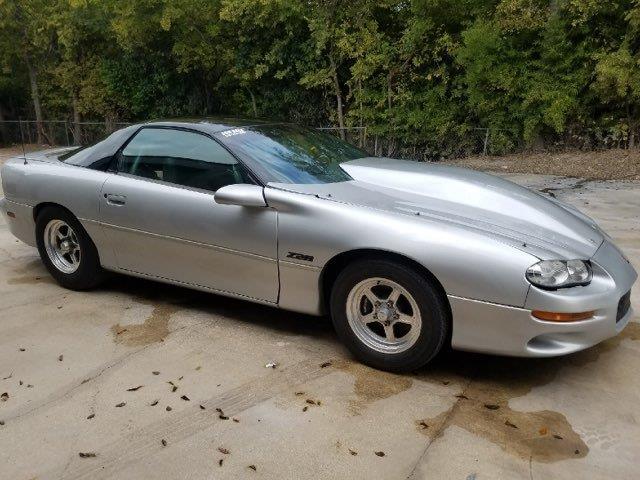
x,y
476,141
54,132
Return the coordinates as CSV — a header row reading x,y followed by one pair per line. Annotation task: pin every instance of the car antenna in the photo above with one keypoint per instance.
x,y
24,153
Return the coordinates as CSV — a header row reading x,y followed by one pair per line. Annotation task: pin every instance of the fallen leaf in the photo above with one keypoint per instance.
x,y
271,365
174,388
164,442
201,407
353,452
8,376
462,396
22,349
310,402
91,416
557,437
121,404
543,431
1,422
325,365
133,389
223,417
299,393
423,424
86,454
577,452
253,467
491,406
4,397
305,408
446,382
60,358
220,461
219,410
181,377
168,409
156,373
509,424
20,382
198,367
235,420
223,450
29,385
154,403
121,331
380,454
59,307
185,398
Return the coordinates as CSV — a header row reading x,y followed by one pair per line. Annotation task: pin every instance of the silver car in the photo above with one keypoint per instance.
x,y
406,257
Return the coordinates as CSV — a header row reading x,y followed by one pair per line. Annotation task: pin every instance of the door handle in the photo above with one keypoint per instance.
x,y
117,200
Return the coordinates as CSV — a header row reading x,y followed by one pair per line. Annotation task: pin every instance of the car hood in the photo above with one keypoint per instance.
x,y
474,199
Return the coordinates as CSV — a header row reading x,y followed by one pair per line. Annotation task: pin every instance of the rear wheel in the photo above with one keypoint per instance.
x,y
388,315
66,249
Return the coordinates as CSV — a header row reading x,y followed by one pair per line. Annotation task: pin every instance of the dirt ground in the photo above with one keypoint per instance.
x,y
141,380
598,165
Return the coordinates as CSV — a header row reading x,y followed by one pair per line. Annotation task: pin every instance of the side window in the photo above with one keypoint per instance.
x,y
181,157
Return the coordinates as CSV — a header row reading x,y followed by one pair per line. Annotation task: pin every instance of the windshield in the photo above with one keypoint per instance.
x,y
291,154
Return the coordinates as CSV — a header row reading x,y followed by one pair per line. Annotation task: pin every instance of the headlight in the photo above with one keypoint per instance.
x,y
559,273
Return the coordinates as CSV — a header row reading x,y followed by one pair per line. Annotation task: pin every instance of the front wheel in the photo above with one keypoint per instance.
x,y
66,250
388,315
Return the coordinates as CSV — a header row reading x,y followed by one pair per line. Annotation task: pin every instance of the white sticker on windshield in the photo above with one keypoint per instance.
x,y
235,131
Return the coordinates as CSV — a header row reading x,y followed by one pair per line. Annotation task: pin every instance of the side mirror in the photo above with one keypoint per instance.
x,y
241,194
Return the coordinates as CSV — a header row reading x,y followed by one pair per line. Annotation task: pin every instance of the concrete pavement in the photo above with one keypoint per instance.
x,y
135,371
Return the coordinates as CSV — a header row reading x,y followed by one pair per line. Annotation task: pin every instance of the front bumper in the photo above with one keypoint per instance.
x,y
500,329
19,219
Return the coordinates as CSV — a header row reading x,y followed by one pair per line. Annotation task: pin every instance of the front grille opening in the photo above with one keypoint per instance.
x,y
623,306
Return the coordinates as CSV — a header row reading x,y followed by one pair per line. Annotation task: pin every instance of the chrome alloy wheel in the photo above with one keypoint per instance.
x,y
62,246
383,315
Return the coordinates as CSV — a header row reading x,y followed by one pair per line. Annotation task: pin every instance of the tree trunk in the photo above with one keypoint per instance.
x,y
338,93
253,102
390,145
77,132
35,96
4,135
361,139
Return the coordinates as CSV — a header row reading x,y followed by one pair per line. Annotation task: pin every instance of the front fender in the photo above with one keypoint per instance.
x,y
467,262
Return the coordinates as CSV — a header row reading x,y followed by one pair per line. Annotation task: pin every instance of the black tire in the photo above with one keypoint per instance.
x,y
89,273
433,311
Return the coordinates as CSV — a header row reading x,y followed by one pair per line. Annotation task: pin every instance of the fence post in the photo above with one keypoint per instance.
x,y
486,142
66,131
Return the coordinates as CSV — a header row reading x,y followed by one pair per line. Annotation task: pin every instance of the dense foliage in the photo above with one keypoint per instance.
x,y
424,76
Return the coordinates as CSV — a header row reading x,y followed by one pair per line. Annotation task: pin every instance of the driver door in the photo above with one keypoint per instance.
x,y
159,214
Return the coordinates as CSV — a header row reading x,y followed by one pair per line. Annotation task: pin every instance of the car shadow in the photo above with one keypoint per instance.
x,y
449,364
278,320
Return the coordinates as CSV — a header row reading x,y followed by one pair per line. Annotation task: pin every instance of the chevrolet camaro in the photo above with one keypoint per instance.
x,y
406,257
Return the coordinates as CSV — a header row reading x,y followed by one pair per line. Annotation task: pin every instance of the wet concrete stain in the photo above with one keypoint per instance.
x,y
154,329
372,385
482,407
542,436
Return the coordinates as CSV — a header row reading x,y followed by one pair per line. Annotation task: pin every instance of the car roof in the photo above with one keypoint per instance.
x,y
213,124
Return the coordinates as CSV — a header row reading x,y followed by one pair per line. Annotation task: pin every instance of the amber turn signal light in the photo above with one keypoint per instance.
x,y
562,317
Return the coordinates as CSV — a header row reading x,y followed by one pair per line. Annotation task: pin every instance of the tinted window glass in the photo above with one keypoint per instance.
x,y
181,157
290,154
